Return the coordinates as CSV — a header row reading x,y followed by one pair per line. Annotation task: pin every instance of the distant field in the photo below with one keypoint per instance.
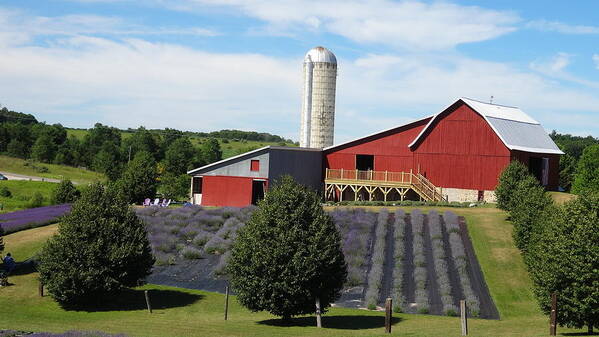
x,y
561,197
180,312
230,148
77,175
22,191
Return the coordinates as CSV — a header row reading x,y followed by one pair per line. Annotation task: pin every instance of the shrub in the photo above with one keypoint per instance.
x,y
191,253
5,192
439,260
100,248
587,172
288,255
419,260
399,234
565,259
65,193
508,181
139,178
37,200
530,204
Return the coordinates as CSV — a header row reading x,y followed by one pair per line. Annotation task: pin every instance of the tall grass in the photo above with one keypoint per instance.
x,y
375,277
458,253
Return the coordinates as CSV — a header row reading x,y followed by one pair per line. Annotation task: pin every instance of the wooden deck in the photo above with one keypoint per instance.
x,y
385,182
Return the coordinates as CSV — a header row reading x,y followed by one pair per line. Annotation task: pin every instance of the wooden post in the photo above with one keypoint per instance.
x,y
318,314
41,289
463,317
341,173
388,314
386,176
148,301
553,316
226,302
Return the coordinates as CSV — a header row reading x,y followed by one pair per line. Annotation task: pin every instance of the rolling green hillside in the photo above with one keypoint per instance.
x,y
24,167
181,312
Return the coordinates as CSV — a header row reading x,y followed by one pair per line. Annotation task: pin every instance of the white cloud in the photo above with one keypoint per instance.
x,y
560,27
556,68
18,28
596,59
404,24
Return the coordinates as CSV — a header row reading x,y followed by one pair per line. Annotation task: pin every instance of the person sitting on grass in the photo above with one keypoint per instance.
x,y
9,263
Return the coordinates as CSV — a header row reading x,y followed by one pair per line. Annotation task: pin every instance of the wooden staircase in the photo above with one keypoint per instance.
x,y
383,181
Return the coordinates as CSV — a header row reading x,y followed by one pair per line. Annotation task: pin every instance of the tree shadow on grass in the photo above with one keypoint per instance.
x,y
23,268
134,299
348,322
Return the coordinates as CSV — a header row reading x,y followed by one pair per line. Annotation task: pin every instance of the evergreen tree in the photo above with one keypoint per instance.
x,y
138,181
100,248
508,181
288,255
587,173
530,204
565,259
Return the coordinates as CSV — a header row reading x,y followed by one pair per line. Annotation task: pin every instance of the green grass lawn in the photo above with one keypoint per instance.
x,y
561,197
180,312
22,191
77,175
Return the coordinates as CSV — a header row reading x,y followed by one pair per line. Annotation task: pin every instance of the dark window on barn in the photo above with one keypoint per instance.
x,y
535,166
364,162
197,185
255,165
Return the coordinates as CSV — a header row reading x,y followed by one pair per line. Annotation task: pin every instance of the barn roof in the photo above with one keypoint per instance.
x,y
250,154
516,129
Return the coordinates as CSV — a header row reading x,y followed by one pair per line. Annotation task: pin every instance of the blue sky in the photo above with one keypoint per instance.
x,y
205,65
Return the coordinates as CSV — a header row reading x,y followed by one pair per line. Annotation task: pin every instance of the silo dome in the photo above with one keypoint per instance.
x,y
320,55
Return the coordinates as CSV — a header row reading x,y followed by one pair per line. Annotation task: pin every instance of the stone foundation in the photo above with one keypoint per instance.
x,y
463,195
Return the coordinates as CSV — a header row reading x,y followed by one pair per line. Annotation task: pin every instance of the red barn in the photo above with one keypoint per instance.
x,y
455,155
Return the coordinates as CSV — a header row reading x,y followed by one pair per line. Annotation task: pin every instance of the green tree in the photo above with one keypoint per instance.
x,y
138,181
567,169
587,173
211,151
288,255
95,139
508,180
37,200
65,193
142,140
44,149
530,204
107,161
179,156
17,148
565,259
175,186
100,248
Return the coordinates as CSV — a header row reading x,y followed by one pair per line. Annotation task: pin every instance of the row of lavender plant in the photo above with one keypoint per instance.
x,y
419,259
355,226
375,276
191,232
458,252
440,261
399,235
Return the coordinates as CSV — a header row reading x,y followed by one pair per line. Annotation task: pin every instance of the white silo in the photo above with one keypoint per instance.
x,y
318,104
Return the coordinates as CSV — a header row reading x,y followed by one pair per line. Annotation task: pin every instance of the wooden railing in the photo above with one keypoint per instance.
x,y
416,181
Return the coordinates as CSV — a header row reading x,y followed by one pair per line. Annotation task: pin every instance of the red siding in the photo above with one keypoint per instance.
x,y
390,150
460,150
553,181
227,191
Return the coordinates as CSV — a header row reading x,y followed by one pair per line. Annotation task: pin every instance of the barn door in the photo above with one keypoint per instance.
x,y
545,172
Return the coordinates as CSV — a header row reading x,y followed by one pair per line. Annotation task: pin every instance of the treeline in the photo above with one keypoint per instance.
x,y
570,166
558,243
164,158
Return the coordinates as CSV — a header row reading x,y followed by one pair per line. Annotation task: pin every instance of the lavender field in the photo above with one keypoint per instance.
x,y
420,260
32,217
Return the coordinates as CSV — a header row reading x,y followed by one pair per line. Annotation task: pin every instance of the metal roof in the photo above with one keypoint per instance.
x,y
247,154
516,129
320,55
